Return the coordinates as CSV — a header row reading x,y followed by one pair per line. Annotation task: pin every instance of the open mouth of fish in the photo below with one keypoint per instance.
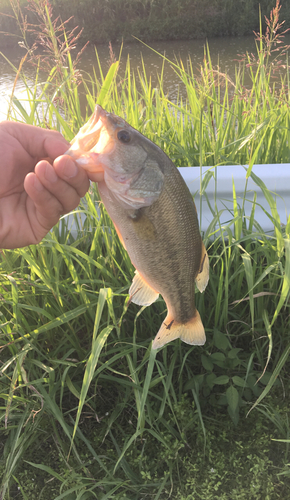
x,y
107,144
97,137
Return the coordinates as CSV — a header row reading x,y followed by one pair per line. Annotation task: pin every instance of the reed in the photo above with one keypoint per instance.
x,y
86,403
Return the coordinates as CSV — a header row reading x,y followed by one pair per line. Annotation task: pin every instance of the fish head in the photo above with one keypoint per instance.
x,y
130,161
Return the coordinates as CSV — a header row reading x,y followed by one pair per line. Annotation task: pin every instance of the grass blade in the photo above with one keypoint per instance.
x,y
97,346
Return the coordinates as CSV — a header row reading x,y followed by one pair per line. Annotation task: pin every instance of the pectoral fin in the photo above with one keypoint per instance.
x,y
140,292
203,273
143,226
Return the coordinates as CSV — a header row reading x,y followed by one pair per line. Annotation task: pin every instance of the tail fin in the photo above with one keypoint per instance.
x,y
191,332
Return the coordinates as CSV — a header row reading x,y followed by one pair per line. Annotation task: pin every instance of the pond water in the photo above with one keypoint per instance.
x,y
224,51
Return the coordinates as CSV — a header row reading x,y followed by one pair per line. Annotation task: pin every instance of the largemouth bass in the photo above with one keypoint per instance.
x,y
155,217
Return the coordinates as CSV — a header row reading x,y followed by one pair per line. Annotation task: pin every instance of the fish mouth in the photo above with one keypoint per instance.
x,y
93,139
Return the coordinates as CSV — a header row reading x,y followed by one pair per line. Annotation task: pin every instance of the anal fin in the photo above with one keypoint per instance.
x,y
203,273
140,292
191,332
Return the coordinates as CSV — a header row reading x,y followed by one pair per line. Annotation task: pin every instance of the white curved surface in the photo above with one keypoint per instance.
x,y
276,178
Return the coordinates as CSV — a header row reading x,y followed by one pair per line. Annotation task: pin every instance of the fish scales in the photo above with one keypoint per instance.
x,y
169,247
155,218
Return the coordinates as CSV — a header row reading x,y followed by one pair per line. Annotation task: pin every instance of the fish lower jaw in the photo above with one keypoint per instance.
x,y
88,162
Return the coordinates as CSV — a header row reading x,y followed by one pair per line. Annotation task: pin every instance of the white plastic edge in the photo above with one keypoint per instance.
x,y
219,192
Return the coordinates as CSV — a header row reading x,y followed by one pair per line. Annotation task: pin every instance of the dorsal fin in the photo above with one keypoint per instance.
x,y
203,273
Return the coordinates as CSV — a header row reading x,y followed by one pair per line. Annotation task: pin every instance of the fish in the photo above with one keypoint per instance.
x,y
155,218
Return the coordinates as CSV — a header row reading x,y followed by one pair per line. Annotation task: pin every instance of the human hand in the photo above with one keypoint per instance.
x,y
34,194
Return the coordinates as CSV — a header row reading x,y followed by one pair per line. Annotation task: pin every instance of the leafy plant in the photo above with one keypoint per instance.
x,y
229,377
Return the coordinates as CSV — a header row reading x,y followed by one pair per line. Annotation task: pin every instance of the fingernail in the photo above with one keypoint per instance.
x,y
50,174
70,169
37,184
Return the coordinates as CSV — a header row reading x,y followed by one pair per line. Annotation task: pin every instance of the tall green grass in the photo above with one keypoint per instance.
x,y
86,404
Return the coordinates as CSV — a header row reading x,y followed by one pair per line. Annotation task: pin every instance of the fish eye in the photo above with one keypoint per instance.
x,y
124,136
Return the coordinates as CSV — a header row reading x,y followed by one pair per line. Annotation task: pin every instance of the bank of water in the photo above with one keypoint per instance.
x,y
224,51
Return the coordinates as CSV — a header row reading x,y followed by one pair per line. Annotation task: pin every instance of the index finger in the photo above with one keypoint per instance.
x,y
37,142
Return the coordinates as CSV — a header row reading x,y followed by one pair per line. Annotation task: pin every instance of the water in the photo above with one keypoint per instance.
x,y
224,52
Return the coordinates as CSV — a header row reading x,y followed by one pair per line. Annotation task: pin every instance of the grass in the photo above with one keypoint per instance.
x,y
88,410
